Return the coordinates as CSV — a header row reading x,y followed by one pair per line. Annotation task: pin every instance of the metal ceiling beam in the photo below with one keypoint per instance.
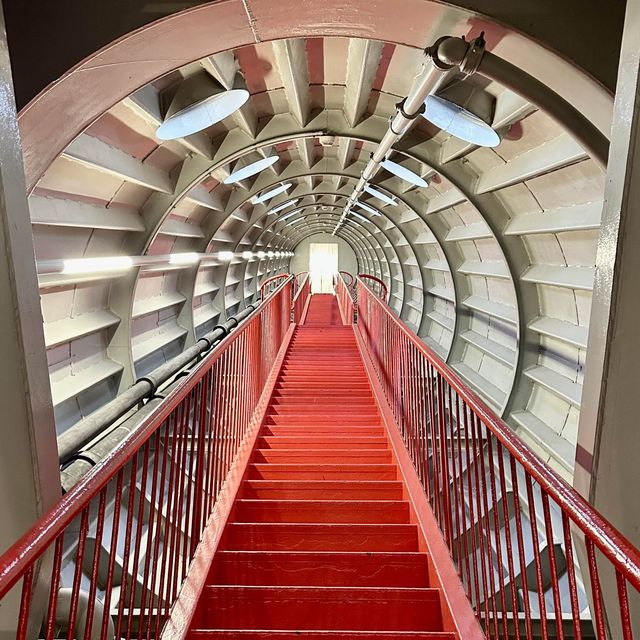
x,y
291,58
363,60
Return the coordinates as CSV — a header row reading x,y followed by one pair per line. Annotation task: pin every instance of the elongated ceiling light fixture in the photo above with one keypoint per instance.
x,y
97,265
403,173
199,102
282,206
367,208
460,122
263,197
250,169
383,197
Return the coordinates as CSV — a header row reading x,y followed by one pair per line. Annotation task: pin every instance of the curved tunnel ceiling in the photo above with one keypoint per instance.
x,y
492,264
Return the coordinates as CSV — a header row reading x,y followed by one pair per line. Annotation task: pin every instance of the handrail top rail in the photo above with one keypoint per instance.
x,y
51,524
375,279
612,543
277,276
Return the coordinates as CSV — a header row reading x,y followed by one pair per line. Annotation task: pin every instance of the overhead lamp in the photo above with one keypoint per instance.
x,y
247,255
250,169
184,258
225,256
403,173
465,111
270,254
261,254
292,213
97,265
357,215
267,195
199,102
282,206
367,208
381,196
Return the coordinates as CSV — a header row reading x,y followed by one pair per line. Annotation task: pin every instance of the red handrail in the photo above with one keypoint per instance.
x,y
272,283
160,483
301,297
348,278
383,293
478,475
345,299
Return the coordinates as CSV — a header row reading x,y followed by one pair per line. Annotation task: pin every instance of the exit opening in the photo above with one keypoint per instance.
x,y
323,266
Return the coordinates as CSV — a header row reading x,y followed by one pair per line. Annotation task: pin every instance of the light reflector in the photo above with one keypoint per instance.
x,y
250,169
403,173
272,193
202,114
381,196
282,206
368,209
459,122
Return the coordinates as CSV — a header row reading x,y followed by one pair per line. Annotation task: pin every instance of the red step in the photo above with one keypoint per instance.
x,y
322,471
326,568
320,537
345,511
322,456
322,489
294,608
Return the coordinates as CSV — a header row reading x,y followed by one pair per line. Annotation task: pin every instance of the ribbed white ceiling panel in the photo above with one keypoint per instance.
x,y
491,264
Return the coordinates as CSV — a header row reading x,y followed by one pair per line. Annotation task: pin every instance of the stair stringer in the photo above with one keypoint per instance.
x,y
179,622
457,613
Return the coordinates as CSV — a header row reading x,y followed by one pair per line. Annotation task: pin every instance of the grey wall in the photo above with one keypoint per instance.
x,y
346,257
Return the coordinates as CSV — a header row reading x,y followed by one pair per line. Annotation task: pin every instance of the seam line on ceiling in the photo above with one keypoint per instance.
x,y
252,20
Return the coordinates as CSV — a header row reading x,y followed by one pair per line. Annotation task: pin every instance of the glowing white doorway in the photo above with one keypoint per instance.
x,y
323,265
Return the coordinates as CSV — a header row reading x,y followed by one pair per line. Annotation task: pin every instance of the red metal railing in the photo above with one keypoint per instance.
x,y
349,280
301,297
109,559
375,284
272,283
513,526
345,299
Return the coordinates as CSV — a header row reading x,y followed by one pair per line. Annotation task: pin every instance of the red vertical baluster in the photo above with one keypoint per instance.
x,y
77,576
507,534
113,546
521,551
486,538
53,589
25,604
496,531
464,533
138,535
474,544
127,543
571,575
536,556
596,591
557,603
93,584
623,600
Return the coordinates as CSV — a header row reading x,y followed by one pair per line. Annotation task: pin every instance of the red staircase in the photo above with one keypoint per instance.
x,y
321,541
